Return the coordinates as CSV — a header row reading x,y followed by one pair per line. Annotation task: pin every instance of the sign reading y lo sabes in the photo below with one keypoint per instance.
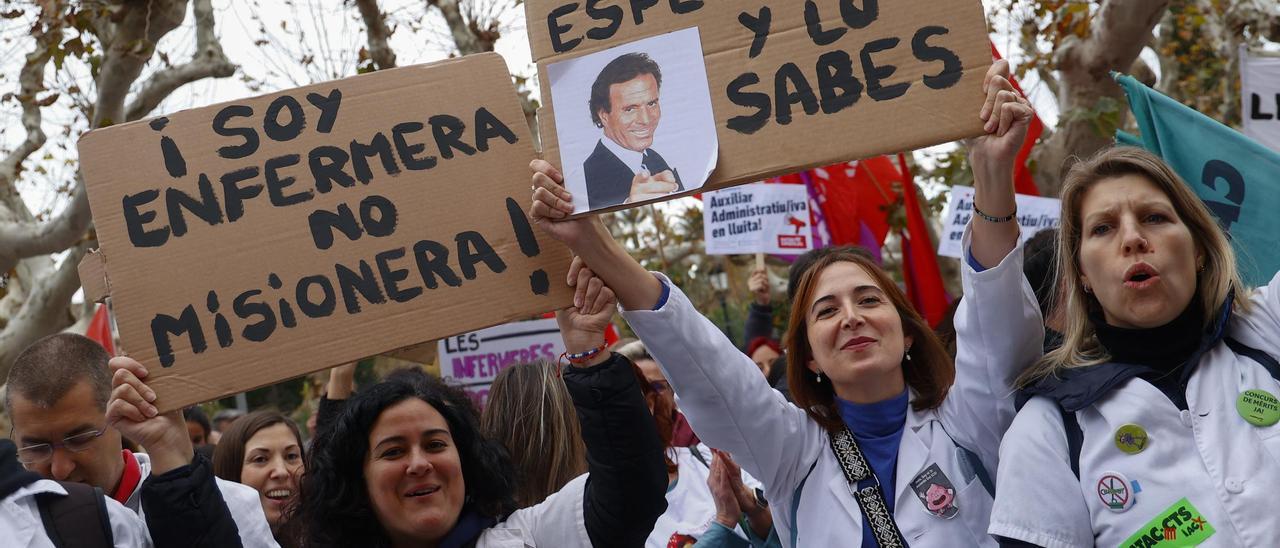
x,y
793,85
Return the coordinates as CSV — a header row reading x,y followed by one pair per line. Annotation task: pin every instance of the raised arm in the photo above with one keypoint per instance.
x,y
998,325
991,156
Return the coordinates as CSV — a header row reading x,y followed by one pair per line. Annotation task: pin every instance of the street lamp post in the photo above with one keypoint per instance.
x,y
720,283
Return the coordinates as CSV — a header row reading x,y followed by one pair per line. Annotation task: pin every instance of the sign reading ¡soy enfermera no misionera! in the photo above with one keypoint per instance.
x,y
758,218
257,240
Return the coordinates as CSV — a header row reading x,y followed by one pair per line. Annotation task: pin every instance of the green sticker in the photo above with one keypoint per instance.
x,y
1258,407
1179,525
1131,438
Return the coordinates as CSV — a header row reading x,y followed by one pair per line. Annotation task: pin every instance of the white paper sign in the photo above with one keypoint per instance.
x,y
1260,95
757,218
1034,214
472,360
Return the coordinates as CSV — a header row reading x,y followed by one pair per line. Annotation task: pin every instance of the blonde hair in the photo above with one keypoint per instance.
x,y
1080,346
531,414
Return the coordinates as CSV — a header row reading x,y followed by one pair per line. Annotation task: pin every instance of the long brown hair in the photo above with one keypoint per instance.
x,y
228,456
529,412
930,372
1080,346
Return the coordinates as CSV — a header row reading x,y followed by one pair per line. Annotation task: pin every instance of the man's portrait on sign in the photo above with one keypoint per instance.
x,y
634,122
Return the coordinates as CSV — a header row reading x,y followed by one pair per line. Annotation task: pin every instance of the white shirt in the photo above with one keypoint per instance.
x,y
555,522
1227,469
633,159
690,506
731,406
242,501
20,523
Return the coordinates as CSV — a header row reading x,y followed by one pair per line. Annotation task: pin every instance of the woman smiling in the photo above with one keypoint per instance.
x,y
264,451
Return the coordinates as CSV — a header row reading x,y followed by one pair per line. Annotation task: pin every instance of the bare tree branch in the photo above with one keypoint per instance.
x,y
208,62
375,24
1118,32
45,310
469,37
133,40
48,34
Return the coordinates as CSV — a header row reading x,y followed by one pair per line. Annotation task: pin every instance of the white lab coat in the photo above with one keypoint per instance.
x,y
1228,469
731,407
20,523
556,522
242,501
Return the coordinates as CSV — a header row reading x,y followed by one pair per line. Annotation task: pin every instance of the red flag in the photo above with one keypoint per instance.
x,y
100,329
1023,183
919,262
854,196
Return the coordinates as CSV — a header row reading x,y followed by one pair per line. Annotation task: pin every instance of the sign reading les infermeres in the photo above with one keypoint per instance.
x,y
258,240
794,84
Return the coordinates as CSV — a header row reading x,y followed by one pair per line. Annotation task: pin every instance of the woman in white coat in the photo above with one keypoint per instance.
x,y
865,369
1155,422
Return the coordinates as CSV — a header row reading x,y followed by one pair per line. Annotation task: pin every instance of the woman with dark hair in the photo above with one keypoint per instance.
x,y
1156,420
891,442
264,451
405,463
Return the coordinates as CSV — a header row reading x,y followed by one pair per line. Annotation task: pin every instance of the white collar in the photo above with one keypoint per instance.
x,y
633,159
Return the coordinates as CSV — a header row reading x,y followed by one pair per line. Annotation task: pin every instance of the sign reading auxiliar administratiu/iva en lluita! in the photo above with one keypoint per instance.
x,y
257,240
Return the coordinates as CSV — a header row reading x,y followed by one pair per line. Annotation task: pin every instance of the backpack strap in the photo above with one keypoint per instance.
x,y
1075,438
698,455
795,503
77,519
1268,362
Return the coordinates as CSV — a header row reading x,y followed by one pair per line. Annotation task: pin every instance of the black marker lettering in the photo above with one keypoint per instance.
x,y
433,260
759,26
365,283
952,69
613,14
284,132
813,22
360,154
760,101
408,153
276,184
163,325
234,195
250,144
328,172
557,30
875,75
206,208
328,108
790,75
135,220
489,126
391,278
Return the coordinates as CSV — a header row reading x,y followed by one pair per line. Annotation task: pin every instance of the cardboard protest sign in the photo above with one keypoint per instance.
x,y
793,84
1260,95
473,360
758,218
1034,214
261,239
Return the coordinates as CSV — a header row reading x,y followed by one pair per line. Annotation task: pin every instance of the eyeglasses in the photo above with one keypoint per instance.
x,y
41,452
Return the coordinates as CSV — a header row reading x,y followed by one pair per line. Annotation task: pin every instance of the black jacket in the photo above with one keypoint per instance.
x,y
184,508
626,491
609,178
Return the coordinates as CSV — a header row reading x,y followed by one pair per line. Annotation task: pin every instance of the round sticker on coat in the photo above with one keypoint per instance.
x,y
1131,438
1115,492
936,492
1258,407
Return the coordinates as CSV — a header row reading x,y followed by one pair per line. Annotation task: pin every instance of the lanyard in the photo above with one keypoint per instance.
x,y
865,488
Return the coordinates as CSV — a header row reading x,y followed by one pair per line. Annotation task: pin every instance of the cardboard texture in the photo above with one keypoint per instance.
x,y
796,84
262,239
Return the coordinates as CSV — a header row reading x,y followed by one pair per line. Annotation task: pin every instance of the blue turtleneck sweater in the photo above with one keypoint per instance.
x,y
878,429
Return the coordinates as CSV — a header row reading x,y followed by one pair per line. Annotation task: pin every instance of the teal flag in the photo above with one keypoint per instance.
x,y
1236,177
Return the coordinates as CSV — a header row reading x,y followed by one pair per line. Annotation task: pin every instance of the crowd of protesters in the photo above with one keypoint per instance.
x,y
1083,370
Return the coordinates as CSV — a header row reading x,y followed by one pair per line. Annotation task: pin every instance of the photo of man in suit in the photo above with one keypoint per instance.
x,y
625,106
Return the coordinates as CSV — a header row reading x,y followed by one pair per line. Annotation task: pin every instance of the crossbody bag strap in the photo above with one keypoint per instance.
x,y
865,488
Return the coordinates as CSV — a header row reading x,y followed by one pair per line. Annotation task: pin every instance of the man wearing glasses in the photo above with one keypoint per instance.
x,y
56,398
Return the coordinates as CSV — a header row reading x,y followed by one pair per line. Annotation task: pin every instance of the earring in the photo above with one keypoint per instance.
x,y
1088,290
908,355
819,374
